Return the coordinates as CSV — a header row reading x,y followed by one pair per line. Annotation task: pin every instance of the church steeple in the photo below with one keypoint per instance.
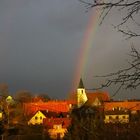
x,y
81,94
81,85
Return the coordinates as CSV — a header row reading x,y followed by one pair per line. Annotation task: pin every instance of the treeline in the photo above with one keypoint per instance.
x,y
11,109
22,95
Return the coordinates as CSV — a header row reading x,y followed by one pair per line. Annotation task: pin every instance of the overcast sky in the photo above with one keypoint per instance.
x,y
40,42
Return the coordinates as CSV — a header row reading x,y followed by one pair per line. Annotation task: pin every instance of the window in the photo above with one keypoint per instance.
x,y
110,117
117,117
70,105
40,117
36,118
57,126
123,117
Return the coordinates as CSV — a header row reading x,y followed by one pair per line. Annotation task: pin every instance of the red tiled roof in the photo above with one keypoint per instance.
x,y
53,106
50,122
102,96
131,105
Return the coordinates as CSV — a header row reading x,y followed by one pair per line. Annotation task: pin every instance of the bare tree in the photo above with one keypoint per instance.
x,y
129,8
127,78
23,96
4,90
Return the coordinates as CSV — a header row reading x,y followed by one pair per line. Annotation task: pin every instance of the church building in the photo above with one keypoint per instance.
x,y
82,97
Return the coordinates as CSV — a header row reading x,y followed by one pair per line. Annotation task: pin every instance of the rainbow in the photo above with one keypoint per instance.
x,y
86,45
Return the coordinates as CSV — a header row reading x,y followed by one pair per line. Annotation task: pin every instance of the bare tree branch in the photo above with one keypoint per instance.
x,y
129,8
128,78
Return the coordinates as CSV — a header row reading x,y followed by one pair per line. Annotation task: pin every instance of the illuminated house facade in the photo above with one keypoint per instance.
x,y
56,127
37,118
121,111
116,116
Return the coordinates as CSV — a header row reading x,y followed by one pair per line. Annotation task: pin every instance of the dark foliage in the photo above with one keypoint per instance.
x,y
86,124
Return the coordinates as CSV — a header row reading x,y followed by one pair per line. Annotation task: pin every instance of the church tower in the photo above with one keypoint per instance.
x,y
81,94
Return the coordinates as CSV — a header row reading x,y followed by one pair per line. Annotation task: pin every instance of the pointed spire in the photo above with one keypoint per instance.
x,y
81,85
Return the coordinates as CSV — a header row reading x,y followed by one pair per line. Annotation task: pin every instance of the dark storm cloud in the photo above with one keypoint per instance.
x,y
40,43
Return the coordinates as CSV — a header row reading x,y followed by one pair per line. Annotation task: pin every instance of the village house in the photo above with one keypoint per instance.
x,y
37,118
133,106
36,112
56,127
125,110
116,116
